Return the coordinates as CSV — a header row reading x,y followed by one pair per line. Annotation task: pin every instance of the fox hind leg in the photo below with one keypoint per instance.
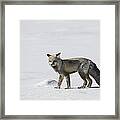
x,y
84,79
83,72
89,81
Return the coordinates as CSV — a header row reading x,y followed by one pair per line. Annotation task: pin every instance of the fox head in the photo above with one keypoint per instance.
x,y
54,61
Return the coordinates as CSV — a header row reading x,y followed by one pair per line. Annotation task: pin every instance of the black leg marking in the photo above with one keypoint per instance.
x,y
89,82
61,77
68,81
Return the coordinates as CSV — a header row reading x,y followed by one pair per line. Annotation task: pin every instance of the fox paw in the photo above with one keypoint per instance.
x,y
82,87
68,88
89,86
57,87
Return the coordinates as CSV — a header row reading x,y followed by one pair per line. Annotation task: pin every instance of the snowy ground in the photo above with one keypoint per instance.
x,y
32,89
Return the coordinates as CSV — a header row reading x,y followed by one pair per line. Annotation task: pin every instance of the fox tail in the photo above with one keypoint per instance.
x,y
94,72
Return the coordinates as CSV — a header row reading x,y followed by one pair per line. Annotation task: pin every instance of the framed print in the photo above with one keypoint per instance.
x,y
59,59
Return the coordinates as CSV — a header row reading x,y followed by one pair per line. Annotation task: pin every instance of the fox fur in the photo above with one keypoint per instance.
x,y
83,66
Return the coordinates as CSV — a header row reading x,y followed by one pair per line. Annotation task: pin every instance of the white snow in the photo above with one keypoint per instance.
x,y
32,89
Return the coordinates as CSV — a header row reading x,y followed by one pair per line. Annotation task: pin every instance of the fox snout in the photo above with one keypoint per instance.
x,y
53,64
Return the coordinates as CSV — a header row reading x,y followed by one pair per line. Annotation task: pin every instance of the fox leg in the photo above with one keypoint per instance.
x,y
83,72
68,81
85,81
61,77
89,81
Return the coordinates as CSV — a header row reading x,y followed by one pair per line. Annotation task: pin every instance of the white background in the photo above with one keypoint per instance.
x,y
15,13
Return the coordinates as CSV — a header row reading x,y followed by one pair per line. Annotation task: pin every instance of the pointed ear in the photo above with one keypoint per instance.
x,y
58,55
48,55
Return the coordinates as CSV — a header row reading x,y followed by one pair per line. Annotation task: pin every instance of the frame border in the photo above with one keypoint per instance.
x,y
60,2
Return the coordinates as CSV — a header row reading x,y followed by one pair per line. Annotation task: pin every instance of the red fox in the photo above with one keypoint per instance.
x,y
83,66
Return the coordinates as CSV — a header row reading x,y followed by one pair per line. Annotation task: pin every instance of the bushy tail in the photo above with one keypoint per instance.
x,y
94,72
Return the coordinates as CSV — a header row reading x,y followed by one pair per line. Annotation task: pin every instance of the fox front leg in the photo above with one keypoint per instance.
x,y
61,77
68,81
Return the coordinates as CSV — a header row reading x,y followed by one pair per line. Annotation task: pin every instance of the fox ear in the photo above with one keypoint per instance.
x,y
58,55
48,55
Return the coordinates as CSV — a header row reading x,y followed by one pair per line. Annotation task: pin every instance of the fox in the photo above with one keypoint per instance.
x,y
64,67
